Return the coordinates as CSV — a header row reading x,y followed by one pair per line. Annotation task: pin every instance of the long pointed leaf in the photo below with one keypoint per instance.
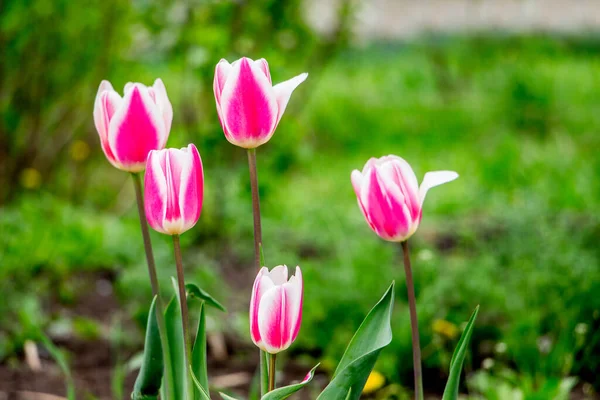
x,y
286,391
176,347
261,255
227,397
451,390
147,384
199,362
61,360
359,359
195,291
202,393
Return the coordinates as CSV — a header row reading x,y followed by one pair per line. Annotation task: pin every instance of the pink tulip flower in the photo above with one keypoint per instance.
x,y
132,125
390,197
248,104
173,189
276,309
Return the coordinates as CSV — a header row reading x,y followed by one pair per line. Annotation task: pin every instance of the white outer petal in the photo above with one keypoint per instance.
x,y
283,92
435,178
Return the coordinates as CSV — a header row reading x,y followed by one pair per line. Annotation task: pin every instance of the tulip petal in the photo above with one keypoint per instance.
x,y
155,190
191,186
384,205
162,100
105,86
356,179
262,284
279,274
274,333
400,174
105,106
101,119
435,178
294,291
283,92
264,67
222,70
173,169
248,105
136,128
128,86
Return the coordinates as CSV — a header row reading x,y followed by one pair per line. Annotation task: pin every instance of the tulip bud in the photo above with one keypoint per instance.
x,y
131,126
173,189
248,104
390,197
276,309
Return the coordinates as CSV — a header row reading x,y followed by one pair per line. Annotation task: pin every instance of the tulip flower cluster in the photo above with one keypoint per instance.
x,y
133,132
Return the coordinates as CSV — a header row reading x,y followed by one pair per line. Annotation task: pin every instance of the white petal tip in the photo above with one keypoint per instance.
x,y
435,178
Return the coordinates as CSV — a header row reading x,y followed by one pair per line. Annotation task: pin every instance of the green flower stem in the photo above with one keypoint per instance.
x,y
257,238
416,347
184,313
160,318
272,359
255,207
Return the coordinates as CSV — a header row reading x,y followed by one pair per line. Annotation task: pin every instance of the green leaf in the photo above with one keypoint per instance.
x,y
176,347
287,391
227,397
451,390
261,255
61,360
359,359
202,394
147,384
194,291
199,364
349,394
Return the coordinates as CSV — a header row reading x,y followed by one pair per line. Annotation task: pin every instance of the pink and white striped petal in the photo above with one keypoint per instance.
x,y
162,100
222,70
135,129
272,324
264,67
191,187
262,284
294,289
156,190
107,102
397,173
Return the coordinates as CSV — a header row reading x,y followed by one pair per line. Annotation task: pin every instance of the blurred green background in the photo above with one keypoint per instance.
x,y
517,115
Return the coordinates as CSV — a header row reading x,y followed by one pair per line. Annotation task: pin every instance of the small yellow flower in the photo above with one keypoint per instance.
x,y
375,381
79,150
445,328
31,178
